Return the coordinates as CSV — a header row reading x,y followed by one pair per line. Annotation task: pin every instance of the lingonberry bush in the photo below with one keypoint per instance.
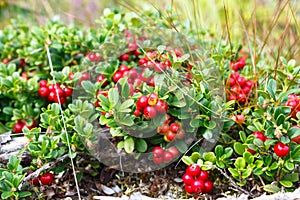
x,y
138,98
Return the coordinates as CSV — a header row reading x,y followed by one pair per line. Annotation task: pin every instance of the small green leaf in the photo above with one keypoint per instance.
x,y
294,177
120,145
129,145
289,165
219,150
234,172
240,163
286,183
246,173
209,156
243,136
239,148
187,160
294,132
24,194
258,171
271,88
271,188
249,158
195,156
6,194
125,105
141,145
88,87
127,120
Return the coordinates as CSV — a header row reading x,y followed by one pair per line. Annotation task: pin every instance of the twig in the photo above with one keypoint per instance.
x,y
233,183
44,167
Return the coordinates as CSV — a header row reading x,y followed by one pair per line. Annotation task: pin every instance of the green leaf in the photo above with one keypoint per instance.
x,y
271,188
289,165
239,148
258,171
89,87
234,172
240,163
286,183
219,151
280,120
24,194
249,158
243,136
258,142
271,88
141,145
294,132
209,156
195,156
294,177
127,120
113,96
6,194
246,173
129,145
125,105
120,145
187,160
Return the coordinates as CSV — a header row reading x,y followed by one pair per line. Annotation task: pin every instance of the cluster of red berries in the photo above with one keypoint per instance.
x,y
171,131
239,64
45,179
94,57
21,123
160,155
196,180
294,103
150,106
54,92
240,87
280,149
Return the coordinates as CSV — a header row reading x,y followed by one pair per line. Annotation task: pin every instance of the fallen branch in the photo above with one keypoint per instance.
x,y
233,183
44,167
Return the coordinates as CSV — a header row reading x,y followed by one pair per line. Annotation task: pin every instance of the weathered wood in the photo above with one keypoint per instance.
x,y
12,147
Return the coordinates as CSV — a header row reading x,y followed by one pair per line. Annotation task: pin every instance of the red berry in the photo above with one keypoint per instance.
x,y
251,151
208,186
281,149
246,90
158,151
123,68
151,82
168,156
43,91
174,151
163,128
193,170
133,74
187,179
68,91
203,175
241,97
234,66
249,83
169,136
141,103
101,79
124,57
152,99
159,67
142,62
161,107
175,127
240,119
51,96
241,81
18,127
158,160
132,46
47,179
189,189
232,82
117,76
241,63
149,112
231,97
71,76
260,135
145,79
198,186
34,181
137,113
43,83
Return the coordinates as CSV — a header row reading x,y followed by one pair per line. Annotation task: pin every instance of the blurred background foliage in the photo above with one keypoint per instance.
x,y
271,24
